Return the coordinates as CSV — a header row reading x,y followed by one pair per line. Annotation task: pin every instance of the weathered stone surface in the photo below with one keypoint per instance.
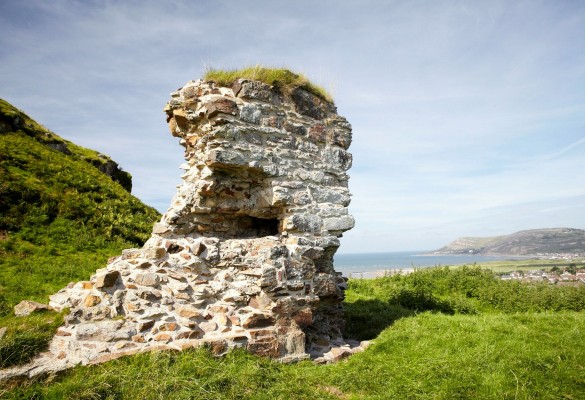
x,y
169,326
218,347
107,280
267,347
221,106
308,104
160,228
92,300
304,318
148,279
258,320
162,337
341,223
252,90
146,325
87,285
227,158
305,222
244,255
27,307
193,334
339,352
105,331
260,302
295,343
188,311
318,132
208,326
155,252
251,113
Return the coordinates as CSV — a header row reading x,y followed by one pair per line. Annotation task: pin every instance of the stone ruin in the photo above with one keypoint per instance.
x,y
243,258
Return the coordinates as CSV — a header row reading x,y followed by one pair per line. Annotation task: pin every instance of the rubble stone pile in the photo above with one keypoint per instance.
x,y
244,255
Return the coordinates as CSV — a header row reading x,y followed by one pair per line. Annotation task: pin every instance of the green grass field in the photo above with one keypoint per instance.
x,y
442,333
525,265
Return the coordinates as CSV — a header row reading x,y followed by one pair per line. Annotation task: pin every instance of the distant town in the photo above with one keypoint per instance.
x,y
570,275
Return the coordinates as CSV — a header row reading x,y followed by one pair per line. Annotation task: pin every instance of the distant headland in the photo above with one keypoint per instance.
x,y
550,242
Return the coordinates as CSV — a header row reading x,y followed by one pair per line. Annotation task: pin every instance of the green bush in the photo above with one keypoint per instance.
x,y
515,296
374,304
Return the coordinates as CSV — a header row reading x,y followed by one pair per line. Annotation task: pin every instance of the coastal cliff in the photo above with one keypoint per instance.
x,y
534,242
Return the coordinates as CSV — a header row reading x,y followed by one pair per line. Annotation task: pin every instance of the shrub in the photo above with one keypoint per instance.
x,y
467,290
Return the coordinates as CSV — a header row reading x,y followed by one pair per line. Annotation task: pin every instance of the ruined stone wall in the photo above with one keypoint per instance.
x,y
265,177
244,255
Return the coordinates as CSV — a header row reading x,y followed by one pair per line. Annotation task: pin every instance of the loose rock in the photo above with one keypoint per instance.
x,y
27,307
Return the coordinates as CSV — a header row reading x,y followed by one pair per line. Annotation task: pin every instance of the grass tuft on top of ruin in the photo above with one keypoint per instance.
x,y
284,79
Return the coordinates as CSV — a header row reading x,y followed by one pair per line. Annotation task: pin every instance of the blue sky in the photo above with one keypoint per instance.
x,y
468,116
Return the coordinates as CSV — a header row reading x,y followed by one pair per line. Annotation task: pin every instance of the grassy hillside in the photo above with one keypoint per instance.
x,y
15,120
60,216
438,334
468,245
523,243
555,240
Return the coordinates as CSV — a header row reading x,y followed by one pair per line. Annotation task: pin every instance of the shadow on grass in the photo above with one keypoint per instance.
x,y
25,337
366,319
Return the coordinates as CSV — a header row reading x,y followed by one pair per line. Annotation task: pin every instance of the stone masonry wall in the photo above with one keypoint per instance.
x,y
244,255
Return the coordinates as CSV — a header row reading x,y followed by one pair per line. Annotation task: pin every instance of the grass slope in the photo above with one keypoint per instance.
x,y
15,120
61,218
53,209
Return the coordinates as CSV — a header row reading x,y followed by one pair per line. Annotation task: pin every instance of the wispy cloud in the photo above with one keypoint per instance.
x,y
565,149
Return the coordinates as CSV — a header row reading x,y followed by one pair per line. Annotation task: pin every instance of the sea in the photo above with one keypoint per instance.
x,y
372,264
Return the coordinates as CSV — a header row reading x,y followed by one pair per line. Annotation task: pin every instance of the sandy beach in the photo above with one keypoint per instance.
x,y
378,273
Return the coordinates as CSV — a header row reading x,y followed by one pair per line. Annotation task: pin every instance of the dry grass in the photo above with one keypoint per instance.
x,y
286,81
